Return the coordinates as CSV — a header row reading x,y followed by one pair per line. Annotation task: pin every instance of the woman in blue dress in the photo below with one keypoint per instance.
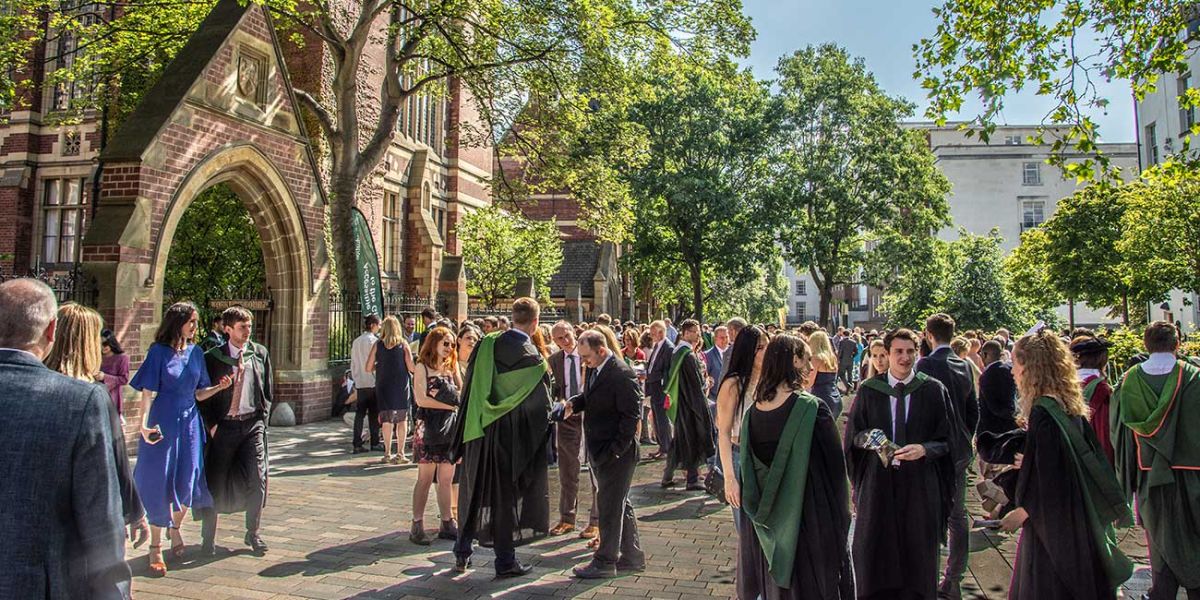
x,y
170,467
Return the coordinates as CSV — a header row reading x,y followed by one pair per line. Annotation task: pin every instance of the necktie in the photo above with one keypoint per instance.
x,y
572,377
901,426
239,374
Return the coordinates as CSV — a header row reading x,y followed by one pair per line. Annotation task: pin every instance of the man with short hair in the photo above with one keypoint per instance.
x,y
214,337
604,319
366,407
410,329
567,371
236,417
1158,458
429,316
503,323
714,362
847,351
687,409
901,502
734,326
657,366
62,525
611,406
502,435
945,366
490,324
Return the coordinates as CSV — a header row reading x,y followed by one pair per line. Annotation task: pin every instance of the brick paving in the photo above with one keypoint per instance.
x,y
337,525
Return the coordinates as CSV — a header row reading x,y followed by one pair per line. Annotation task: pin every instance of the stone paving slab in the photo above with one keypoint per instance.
x,y
337,525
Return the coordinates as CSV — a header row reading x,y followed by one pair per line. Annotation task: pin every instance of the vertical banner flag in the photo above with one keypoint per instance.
x,y
370,288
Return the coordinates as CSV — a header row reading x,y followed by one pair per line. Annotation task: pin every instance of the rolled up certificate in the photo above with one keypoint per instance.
x,y
875,439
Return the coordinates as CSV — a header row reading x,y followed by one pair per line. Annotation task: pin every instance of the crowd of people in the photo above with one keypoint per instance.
x,y
847,457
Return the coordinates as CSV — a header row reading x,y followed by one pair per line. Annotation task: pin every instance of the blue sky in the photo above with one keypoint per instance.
x,y
883,32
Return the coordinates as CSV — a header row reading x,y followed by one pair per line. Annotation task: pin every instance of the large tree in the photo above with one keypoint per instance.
x,y
1059,49
561,56
849,173
1161,226
499,248
697,192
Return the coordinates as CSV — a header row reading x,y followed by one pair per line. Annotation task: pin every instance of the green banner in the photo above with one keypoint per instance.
x,y
370,288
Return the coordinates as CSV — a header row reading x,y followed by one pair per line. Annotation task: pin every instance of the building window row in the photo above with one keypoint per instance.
x,y
64,218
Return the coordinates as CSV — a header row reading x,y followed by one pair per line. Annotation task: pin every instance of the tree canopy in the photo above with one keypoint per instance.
x,y
499,248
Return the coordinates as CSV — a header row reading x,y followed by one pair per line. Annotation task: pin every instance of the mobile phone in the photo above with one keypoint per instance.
x,y
155,435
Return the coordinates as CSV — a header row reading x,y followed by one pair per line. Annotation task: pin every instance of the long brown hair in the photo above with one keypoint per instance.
x,y
428,354
76,350
1048,370
778,367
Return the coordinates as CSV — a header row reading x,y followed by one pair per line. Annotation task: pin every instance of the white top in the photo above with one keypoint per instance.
x,y
892,381
245,407
358,360
654,354
1159,363
1085,373
747,402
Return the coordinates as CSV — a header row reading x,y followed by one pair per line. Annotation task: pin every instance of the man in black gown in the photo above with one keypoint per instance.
x,y
688,411
502,437
235,463
901,507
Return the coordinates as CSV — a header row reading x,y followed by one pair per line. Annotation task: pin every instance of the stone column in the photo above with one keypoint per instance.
x,y
574,302
452,289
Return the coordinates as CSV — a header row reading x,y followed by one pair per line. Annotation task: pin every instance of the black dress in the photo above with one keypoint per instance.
x,y
435,436
392,382
1057,555
825,388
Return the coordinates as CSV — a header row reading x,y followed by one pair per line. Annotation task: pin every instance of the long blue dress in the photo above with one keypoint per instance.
x,y
170,474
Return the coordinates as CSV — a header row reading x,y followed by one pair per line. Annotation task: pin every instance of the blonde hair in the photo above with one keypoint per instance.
x,y
1048,369
822,349
960,346
610,338
390,333
76,351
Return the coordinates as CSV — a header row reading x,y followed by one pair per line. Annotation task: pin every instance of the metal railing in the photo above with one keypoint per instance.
x,y
346,318
69,286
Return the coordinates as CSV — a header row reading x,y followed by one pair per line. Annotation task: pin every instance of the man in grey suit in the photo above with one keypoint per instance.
x,y
61,524
658,366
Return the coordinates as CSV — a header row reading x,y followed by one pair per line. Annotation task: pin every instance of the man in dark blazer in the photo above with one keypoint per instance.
x,y
997,392
954,373
236,419
658,364
61,524
567,373
611,406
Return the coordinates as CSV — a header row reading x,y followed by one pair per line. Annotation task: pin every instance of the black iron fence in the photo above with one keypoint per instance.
x,y
69,286
346,318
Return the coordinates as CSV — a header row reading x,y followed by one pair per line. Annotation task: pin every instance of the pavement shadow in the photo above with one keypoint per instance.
x,y
336,559
139,566
692,508
356,469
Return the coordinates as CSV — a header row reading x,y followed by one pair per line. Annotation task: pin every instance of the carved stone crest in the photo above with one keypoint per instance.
x,y
249,76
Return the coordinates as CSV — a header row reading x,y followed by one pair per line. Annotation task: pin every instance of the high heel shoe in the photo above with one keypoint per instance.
x,y
158,568
177,550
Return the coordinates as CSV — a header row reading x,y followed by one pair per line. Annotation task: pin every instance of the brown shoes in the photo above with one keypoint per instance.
x,y
589,533
562,528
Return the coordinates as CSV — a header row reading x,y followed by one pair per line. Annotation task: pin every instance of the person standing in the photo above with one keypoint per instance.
x,y
714,365
736,396
1157,417
170,467
236,417
901,504
410,329
795,513
611,406
997,392
1067,496
672,333
954,373
734,326
390,361
215,336
847,352
567,373
502,437
63,537
657,370
631,352
825,365
1091,359
687,410
114,368
366,407
436,392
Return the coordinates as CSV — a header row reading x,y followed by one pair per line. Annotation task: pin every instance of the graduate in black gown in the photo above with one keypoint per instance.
x,y
794,498
1067,493
502,436
901,506
692,440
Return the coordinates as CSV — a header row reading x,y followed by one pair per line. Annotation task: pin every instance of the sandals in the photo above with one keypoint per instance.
x,y
158,568
177,551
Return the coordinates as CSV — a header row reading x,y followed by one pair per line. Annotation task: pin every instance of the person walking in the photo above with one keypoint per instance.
x,y
114,368
391,362
61,524
1067,495
436,391
611,407
236,467
847,352
365,407
170,467
1091,359
795,501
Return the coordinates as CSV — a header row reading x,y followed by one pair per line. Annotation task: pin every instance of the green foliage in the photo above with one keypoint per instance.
x,y
216,252
848,173
917,291
708,132
1028,273
1082,256
1126,343
758,300
498,248
1161,230
1057,49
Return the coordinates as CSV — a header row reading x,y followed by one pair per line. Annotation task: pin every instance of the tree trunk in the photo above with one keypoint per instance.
x,y
1071,313
697,292
1125,308
826,305
343,187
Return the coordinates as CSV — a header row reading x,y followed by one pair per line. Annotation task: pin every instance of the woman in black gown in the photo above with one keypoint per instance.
x,y
1067,494
794,489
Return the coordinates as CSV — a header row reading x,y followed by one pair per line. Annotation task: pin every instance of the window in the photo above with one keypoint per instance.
x,y
1012,140
1033,214
1031,173
801,287
71,143
801,311
392,216
63,219
64,48
1187,116
1151,144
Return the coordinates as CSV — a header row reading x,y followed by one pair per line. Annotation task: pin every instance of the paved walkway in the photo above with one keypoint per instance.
x,y
337,526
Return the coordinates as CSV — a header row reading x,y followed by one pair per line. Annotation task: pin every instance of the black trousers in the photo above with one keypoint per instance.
x,y
1164,585
846,374
662,423
236,470
366,406
618,527
958,531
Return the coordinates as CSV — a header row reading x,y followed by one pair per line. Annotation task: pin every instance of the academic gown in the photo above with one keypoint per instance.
x,y
231,483
1057,554
902,510
692,443
506,469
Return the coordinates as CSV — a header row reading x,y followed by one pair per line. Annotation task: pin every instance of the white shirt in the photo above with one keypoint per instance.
x,y
247,406
654,354
682,344
1085,373
596,371
359,351
892,381
1159,363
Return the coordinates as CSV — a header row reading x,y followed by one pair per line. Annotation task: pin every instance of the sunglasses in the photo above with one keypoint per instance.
x,y
447,344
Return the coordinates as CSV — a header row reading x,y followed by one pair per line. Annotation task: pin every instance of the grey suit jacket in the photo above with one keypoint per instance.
x,y
61,522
